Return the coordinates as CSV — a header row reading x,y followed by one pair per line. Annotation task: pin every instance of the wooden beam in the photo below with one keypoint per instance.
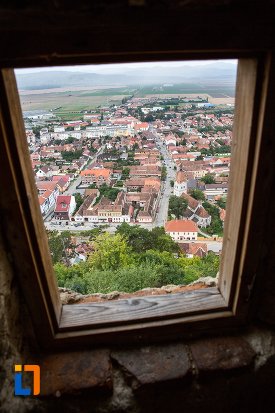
x,y
22,223
140,309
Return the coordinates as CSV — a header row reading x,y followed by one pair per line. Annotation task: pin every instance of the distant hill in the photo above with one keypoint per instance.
x,y
219,72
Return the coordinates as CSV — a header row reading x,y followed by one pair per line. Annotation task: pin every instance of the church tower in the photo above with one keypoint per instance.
x,y
180,185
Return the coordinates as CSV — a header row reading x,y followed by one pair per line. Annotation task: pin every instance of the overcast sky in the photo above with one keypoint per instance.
x,y
121,67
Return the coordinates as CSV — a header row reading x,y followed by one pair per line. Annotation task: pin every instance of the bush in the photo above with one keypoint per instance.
x,y
115,266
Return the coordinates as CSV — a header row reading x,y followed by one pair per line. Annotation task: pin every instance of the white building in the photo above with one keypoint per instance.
x,y
48,193
180,185
44,172
59,129
213,190
60,135
44,136
65,206
170,140
77,134
30,137
181,230
196,212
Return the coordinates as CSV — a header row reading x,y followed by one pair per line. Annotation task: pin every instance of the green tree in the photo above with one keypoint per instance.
x,y
199,158
110,252
78,200
91,233
92,186
149,118
197,194
69,156
177,206
221,203
125,173
59,244
71,277
163,173
57,141
70,139
110,193
36,130
216,226
141,239
208,179
162,241
119,183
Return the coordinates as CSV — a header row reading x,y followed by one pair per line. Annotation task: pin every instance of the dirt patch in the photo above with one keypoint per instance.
x,y
226,100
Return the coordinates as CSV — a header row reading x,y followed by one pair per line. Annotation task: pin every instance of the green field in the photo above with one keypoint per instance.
x,y
188,88
70,103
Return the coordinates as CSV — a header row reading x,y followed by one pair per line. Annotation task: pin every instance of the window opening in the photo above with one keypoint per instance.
x,y
131,164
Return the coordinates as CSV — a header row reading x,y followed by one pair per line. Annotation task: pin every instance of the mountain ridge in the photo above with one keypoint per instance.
x,y
156,74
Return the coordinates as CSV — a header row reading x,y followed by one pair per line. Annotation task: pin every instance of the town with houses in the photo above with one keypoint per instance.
x,y
153,162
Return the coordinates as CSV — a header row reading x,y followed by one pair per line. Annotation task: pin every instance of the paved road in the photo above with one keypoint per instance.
x,y
215,246
87,226
72,227
73,186
167,190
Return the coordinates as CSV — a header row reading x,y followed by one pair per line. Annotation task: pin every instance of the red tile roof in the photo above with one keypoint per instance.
x,y
63,203
96,172
181,177
181,225
57,178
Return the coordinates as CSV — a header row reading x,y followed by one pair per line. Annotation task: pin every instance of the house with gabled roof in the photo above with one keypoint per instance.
x,y
181,229
95,176
47,194
65,206
194,249
63,181
44,172
196,212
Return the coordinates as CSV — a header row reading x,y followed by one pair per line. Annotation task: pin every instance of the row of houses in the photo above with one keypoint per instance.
x,y
98,129
139,207
185,180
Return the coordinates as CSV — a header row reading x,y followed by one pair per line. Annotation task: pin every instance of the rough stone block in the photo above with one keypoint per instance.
x,y
75,371
222,354
154,364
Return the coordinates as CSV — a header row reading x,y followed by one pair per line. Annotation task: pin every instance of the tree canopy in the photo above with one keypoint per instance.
x,y
208,179
110,252
122,262
78,200
141,239
177,206
110,193
197,194
59,244
69,156
216,226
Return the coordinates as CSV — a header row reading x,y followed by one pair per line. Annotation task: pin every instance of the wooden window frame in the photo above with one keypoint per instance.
x,y
139,318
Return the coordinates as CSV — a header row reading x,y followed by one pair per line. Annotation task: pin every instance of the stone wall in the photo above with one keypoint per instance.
x,y
14,328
